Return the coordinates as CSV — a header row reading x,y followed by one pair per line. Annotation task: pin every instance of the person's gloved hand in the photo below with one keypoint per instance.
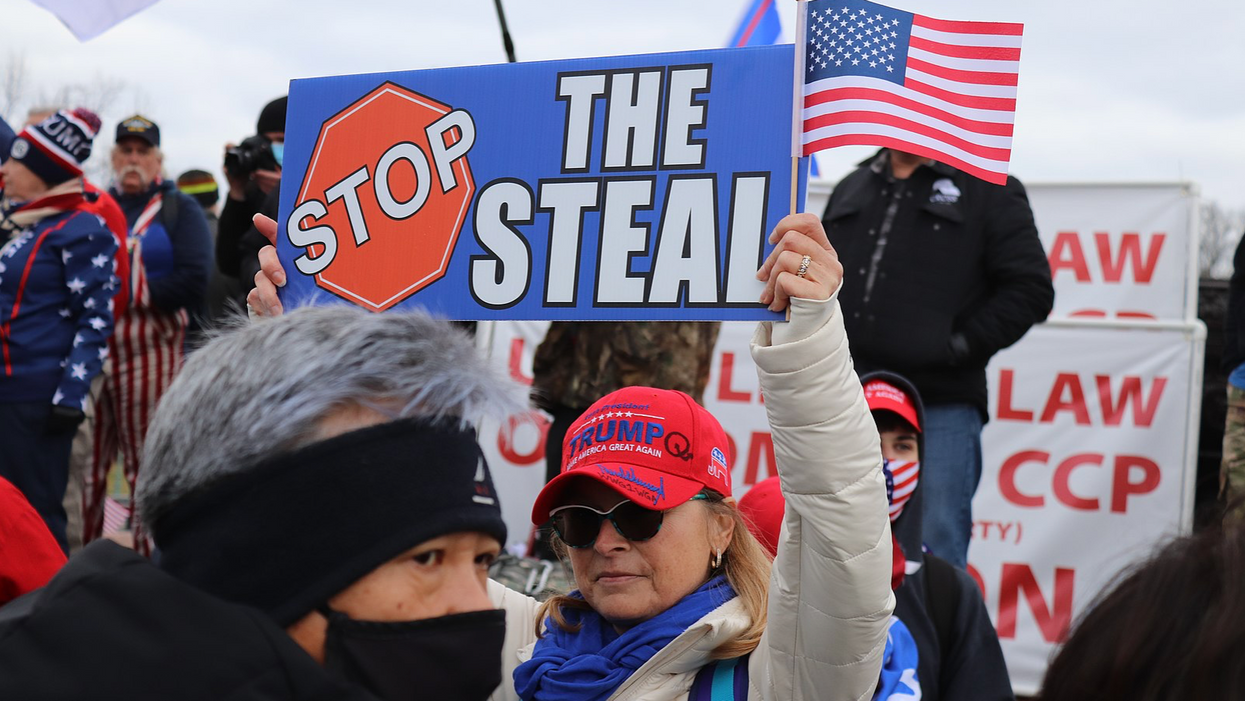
x,y
63,419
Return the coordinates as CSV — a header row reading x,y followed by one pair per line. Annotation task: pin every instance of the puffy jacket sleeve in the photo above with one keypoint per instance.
x,y
830,597
520,633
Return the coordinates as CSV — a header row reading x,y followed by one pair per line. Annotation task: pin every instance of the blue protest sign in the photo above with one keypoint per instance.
x,y
630,187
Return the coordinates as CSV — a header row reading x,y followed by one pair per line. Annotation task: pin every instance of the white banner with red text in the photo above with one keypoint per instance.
x,y
1087,463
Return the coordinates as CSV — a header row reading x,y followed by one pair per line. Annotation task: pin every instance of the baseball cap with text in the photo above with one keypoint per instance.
x,y
139,127
883,395
656,447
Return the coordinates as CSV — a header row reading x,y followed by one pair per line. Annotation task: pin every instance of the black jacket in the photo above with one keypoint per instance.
x,y
235,220
110,625
942,270
959,657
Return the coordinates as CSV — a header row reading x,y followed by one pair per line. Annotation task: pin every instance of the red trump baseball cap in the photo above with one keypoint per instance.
x,y
883,395
656,447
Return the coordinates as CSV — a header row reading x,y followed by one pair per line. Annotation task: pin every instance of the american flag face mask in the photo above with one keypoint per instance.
x,y
901,481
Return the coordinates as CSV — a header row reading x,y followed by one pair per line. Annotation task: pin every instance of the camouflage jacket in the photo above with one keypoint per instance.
x,y
579,362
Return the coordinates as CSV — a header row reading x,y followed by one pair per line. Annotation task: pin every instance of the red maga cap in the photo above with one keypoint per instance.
x,y
656,447
884,395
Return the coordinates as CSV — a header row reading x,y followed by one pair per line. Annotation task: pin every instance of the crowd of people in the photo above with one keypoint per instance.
x,y
314,518
105,290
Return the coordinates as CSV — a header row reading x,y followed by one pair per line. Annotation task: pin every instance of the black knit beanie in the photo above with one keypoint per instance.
x,y
291,533
272,118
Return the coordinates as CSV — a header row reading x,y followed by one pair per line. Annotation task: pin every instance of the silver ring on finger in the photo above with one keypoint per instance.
x,y
804,263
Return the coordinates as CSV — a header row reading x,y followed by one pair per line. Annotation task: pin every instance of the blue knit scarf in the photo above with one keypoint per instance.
x,y
591,664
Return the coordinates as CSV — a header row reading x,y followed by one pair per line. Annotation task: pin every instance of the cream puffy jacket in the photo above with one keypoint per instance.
x,y
830,597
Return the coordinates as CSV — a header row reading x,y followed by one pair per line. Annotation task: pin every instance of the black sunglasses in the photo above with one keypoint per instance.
x,y
579,525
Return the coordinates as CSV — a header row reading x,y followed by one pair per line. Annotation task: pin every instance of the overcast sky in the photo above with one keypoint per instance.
x,y
1110,90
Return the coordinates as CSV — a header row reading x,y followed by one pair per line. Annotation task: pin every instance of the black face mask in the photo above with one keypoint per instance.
x,y
452,657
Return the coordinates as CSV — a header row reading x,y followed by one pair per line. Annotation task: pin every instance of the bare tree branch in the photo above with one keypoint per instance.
x,y
12,85
1220,231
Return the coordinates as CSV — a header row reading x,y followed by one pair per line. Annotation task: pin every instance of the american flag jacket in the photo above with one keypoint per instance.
x,y
56,287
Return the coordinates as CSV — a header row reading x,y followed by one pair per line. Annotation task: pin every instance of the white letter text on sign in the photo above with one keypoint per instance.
x,y
617,188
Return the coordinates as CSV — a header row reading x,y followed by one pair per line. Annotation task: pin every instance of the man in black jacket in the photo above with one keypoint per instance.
x,y
945,271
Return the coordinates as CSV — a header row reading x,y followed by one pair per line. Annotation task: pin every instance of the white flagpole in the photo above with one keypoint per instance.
x,y
797,100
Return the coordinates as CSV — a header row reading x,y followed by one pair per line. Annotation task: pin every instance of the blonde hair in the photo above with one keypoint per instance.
x,y
745,563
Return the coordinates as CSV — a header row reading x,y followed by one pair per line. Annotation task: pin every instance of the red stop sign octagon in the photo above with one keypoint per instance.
x,y
385,197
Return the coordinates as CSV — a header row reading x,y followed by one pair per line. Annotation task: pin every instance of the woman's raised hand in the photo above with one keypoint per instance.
x,y
802,264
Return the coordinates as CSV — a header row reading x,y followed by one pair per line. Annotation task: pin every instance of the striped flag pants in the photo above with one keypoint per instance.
x,y
146,351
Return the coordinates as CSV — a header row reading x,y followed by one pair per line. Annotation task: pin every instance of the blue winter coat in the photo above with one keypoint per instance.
x,y
56,287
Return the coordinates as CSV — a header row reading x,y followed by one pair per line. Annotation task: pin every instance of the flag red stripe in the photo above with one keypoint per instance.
x,y
990,128
978,77
140,366
179,344
752,24
992,104
853,117
991,176
125,397
98,474
155,374
1001,104
990,53
946,25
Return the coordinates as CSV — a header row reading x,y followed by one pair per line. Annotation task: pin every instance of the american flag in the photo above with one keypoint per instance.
x,y
877,76
901,483
116,516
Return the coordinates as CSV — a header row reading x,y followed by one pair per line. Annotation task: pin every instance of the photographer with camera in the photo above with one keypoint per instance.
x,y
253,169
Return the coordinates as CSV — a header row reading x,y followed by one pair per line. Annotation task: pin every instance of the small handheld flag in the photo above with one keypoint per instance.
x,y
877,76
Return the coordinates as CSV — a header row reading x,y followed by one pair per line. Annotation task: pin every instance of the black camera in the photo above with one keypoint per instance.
x,y
253,154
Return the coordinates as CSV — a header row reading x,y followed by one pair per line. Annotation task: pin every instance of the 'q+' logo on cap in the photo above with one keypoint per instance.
x,y
717,466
